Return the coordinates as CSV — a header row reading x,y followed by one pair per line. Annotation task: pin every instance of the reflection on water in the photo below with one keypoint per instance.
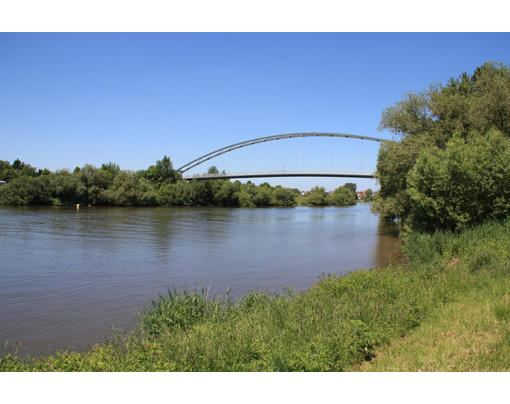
x,y
66,277
388,249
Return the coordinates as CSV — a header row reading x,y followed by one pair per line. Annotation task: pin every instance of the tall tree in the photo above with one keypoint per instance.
x,y
351,186
161,173
469,105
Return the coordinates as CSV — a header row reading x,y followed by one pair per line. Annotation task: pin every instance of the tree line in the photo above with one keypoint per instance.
x,y
450,167
158,185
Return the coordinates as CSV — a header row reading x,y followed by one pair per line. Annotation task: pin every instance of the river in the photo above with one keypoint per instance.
x,y
68,277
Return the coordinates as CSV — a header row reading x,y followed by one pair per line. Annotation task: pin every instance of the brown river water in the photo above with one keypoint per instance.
x,y
67,277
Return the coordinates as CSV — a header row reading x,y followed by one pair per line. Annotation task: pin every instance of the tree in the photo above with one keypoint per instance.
x,y
183,193
111,168
166,195
394,161
478,103
226,195
467,106
284,196
18,164
464,184
93,183
129,190
65,187
263,196
19,168
204,192
7,173
318,197
351,186
161,173
343,196
245,199
26,190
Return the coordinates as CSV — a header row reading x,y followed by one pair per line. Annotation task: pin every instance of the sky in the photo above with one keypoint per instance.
x,y
69,99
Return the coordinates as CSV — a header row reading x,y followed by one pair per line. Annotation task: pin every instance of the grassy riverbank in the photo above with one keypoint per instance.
x,y
449,309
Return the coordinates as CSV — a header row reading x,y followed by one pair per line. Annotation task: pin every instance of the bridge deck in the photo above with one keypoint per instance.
x,y
283,173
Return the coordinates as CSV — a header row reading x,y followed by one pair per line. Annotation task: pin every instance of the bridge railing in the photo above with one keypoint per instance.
x,y
283,173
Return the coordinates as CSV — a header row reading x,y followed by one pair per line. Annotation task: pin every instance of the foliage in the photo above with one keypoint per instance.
x,y
351,186
93,183
343,196
17,169
284,196
465,107
227,193
394,161
65,187
112,168
224,193
158,185
179,194
161,173
245,199
263,196
129,190
25,190
462,185
318,197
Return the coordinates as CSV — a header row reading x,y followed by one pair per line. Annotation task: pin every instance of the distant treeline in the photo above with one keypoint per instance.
x,y
159,185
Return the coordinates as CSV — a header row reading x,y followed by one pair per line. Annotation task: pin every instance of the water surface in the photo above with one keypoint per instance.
x,y
67,277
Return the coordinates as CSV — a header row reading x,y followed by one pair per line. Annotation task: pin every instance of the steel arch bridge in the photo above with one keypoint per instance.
x,y
277,173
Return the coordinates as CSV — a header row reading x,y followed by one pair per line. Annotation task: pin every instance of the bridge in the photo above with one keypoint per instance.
x,y
282,173
278,173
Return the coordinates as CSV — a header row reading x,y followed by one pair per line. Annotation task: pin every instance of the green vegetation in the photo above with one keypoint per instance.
x,y
467,118
452,299
463,184
448,309
159,185
472,331
342,196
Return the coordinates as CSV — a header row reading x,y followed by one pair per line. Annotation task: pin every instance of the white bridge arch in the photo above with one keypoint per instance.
x,y
280,173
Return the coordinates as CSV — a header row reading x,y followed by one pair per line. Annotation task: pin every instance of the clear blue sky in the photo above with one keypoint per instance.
x,y
71,99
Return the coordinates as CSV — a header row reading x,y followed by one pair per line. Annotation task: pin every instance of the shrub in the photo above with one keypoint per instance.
x,y
318,197
284,196
343,196
24,190
463,185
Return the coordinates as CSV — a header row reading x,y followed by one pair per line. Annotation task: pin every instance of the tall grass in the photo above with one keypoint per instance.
x,y
339,323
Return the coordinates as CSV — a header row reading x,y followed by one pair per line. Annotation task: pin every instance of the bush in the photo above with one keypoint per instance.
x,y
26,190
284,196
463,185
318,197
130,190
426,121
343,196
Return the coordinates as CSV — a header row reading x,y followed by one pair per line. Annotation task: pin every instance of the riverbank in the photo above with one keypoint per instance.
x,y
447,310
159,185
